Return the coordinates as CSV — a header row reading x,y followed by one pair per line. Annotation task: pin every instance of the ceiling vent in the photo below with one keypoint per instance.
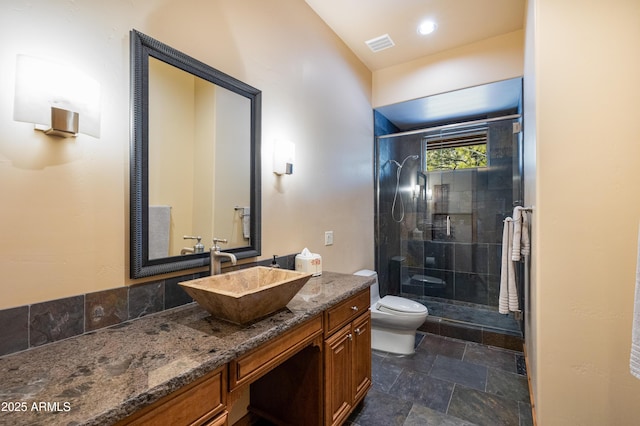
x,y
380,43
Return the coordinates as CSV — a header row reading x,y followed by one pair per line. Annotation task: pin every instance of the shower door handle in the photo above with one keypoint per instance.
x,y
448,226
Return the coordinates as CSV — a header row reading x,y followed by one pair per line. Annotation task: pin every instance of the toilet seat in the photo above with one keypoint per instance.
x,y
400,306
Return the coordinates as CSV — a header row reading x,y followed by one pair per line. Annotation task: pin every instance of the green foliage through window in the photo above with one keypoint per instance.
x,y
459,157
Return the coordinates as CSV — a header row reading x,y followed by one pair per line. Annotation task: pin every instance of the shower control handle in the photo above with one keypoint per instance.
x,y
448,226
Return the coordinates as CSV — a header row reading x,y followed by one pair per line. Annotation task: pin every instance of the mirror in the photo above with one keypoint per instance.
x,y
195,160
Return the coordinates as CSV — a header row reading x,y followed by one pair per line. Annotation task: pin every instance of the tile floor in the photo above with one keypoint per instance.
x,y
447,382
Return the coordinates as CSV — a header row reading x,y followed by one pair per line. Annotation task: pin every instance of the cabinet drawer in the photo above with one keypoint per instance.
x,y
221,420
256,363
193,404
346,311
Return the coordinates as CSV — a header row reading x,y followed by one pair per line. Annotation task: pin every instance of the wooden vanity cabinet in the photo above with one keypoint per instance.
x,y
313,374
202,402
347,357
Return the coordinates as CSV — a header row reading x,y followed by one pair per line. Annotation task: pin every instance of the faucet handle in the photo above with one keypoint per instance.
x,y
216,241
199,247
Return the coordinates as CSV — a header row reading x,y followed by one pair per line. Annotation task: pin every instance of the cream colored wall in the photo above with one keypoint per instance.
x,y
232,158
494,59
530,162
65,211
205,143
586,68
171,160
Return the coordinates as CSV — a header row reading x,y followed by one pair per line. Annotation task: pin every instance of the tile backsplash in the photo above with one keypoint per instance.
x,y
30,326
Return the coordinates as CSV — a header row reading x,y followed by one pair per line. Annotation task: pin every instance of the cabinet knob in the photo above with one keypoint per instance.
x,y
358,331
350,336
354,308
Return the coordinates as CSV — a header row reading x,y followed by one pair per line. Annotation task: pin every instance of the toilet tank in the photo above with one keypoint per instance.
x,y
375,287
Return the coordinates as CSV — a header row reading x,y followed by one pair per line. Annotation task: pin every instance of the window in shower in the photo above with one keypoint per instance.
x,y
454,151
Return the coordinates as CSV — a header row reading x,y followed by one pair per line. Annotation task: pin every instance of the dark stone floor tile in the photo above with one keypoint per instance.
x,y
464,373
423,416
421,361
380,409
491,357
422,389
526,416
439,345
482,408
419,338
383,374
508,385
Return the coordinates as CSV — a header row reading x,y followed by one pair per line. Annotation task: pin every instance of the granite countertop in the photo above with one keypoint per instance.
x,y
104,376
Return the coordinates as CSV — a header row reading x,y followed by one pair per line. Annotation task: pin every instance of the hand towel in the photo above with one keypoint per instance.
x,y
508,298
517,233
635,333
246,222
159,227
525,249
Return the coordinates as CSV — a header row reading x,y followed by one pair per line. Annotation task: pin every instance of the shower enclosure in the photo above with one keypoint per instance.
x,y
442,195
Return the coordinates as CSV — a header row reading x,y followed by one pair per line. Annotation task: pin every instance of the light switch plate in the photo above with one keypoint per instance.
x,y
328,238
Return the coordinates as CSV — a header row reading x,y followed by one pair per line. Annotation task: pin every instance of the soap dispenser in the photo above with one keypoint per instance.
x,y
274,263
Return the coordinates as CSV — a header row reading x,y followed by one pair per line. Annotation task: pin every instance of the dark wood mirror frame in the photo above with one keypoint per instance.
x,y
141,48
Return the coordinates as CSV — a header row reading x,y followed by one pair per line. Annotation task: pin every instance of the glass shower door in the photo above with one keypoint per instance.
x,y
467,183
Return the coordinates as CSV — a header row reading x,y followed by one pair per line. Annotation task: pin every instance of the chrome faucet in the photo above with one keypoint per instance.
x,y
217,255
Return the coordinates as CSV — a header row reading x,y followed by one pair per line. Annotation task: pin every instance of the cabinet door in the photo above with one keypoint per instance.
x,y
338,376
361,357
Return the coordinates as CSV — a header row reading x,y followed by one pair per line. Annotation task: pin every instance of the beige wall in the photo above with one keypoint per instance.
x,y
530,160
494,59
64,216
585,63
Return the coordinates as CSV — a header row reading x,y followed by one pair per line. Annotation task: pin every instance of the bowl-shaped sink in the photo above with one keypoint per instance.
x,y
244,295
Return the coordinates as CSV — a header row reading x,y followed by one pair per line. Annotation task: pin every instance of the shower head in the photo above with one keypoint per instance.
x,y
400,165
412,157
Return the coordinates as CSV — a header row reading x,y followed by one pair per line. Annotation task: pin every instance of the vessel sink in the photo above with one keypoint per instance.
x,y
248,294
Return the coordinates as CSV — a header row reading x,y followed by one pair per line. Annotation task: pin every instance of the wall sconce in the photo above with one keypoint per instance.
x,y
283,157
59,100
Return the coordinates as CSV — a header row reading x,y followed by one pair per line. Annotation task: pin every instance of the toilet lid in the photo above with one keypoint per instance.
x,y
395,304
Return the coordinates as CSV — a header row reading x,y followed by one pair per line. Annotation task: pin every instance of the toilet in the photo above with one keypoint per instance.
x,y
394,320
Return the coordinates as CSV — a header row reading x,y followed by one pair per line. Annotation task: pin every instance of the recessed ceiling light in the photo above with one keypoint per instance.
x,y
427,27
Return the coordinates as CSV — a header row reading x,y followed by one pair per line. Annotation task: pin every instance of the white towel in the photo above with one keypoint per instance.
x,y
508,299
635,333
246,223
521,246
525,248
159,227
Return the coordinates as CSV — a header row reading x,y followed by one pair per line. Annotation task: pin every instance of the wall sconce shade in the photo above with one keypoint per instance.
x,y
57,99
283,157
